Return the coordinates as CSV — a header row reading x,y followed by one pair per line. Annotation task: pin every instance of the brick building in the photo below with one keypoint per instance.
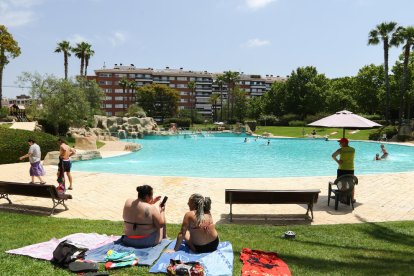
x,y
116,100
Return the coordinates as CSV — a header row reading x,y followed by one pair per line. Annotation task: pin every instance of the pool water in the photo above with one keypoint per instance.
x,y
230,157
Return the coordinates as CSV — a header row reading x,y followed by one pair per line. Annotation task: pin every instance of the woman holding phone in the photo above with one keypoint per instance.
x,y
144,220
198,228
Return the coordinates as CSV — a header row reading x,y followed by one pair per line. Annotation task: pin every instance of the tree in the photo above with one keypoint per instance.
x,y
384,32
255,107
219,81
63,102
124,83
340,95
158,100
9,49
398,70
80,52
94,95
65,48
231,78
132,85
369,89
88,54
213,100
193,98
240,104
404,35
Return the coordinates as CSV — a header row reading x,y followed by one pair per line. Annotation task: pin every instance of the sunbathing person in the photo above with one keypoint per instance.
x,y
144,221
198,228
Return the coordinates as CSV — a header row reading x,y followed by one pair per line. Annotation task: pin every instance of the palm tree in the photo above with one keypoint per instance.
x,y
192,86
80,52
404,35
231,78
133,86
384,32
220,82
213,100
88,53
123,82
65,48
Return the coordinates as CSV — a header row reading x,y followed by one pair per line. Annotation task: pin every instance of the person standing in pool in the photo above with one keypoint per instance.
x,y
384,152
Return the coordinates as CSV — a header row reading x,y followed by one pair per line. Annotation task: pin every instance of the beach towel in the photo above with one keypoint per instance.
x,y
217,263
256,262
44,250
146,256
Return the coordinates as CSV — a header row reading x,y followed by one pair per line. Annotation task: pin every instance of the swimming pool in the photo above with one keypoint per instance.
x,y
228,156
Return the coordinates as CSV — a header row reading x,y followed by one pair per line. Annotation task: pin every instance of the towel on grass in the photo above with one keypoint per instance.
x,y
256,262
217,263
44,250
146,256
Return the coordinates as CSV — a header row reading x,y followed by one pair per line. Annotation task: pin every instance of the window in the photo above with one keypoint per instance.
x,y
119,98
147,76
182,93
172,78
108,113
119,106
108,90
118,90
139,76
106,75
192,79
247,82
131,75
172,85
181,85
108,105
120,75
108,98
105,82
181,78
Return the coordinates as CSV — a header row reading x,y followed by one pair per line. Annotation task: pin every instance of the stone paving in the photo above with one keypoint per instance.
x,y
380,197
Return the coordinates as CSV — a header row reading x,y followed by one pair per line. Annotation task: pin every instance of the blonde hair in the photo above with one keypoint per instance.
x,y
202,206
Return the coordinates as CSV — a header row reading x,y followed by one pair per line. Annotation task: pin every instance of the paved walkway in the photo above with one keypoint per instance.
x,y
24,125
384,197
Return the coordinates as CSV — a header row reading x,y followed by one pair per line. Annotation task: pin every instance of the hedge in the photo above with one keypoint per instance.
x,y
13,144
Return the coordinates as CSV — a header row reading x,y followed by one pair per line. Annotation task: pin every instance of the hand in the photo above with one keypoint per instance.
x,y
169,251
162,209
156,199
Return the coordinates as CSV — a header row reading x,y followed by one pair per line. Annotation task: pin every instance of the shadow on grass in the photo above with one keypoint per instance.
x,y
265,219
28,209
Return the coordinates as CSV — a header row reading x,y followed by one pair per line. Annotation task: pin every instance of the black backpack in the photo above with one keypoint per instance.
x,y
65,253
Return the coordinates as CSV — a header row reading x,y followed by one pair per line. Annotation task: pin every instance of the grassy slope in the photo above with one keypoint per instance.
x,y
353,249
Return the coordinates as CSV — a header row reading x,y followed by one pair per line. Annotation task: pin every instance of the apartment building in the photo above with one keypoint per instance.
x,y
116,100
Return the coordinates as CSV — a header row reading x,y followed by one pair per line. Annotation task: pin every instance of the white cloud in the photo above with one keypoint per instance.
x,y
77,38
257,4
117,38
255,42
15,13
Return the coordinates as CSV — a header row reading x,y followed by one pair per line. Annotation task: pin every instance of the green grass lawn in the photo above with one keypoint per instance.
x,y
350,249
6,125
297,132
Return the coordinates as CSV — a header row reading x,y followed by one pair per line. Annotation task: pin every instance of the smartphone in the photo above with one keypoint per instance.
x,y
163,201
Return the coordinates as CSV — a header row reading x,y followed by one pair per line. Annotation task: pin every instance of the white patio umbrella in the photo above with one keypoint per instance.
x,y
345,119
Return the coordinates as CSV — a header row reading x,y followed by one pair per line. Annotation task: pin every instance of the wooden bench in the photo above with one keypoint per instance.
x,y
308,197
35,190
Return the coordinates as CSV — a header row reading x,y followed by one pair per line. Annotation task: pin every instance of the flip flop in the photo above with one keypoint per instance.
x,y
70,188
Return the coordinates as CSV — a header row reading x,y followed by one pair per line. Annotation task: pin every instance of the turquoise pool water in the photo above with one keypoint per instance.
x,y
230,157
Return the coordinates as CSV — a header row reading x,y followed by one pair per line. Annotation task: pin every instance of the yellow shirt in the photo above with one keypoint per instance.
x,y
347,155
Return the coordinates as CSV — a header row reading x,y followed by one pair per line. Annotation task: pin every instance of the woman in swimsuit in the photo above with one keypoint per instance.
x,y
198,228
144,221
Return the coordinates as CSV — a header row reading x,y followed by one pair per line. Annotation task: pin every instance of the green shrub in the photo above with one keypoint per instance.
x,y
268,120
377,134
181,122
13,144
296,123
312,118
252,124
49,128
285,119
4,111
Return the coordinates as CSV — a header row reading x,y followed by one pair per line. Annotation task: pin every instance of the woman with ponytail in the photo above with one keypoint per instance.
x,y
198,229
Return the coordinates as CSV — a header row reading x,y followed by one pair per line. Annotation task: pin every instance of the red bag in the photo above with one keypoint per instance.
x,y
256,262
178,268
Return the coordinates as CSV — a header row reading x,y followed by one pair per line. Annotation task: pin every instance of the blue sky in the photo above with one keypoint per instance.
x,y
251,36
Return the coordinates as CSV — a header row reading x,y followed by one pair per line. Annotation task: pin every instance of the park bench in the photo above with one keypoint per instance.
x,y
35,190
308,197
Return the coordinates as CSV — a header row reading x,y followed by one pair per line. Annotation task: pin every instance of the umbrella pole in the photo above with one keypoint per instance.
x,y
343,133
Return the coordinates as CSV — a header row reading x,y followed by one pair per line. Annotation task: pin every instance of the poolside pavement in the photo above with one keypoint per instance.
x,y
380,197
